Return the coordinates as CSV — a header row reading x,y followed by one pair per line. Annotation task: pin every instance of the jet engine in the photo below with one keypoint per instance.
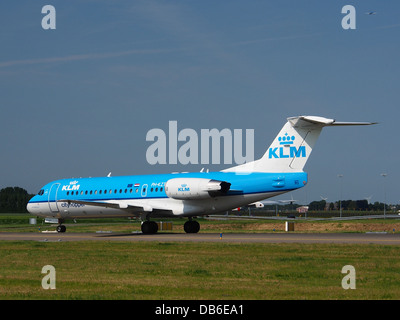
x,y
195,188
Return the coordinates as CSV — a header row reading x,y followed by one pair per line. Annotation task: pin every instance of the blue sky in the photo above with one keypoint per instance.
x,y
78,101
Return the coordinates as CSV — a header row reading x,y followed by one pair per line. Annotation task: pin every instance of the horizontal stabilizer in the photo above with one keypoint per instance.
x,y
312,121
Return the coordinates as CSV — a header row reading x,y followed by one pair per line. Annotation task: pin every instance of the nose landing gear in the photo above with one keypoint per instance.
x,y
61,228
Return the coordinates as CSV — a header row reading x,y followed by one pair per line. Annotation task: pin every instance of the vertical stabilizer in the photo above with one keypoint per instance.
x,y
293,145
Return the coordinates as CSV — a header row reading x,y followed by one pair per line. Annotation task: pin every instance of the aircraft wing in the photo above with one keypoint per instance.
x,y
134,208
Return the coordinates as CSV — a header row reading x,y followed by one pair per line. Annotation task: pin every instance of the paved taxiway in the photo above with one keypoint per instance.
x,y
350,238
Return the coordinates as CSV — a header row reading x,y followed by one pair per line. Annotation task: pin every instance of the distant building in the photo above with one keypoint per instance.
x,y
302,209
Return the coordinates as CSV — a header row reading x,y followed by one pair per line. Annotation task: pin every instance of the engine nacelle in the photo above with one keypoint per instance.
x,y
195,188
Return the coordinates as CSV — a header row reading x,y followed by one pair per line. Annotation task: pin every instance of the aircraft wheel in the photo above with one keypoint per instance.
x,y
149,227
191,226
154,227
61,228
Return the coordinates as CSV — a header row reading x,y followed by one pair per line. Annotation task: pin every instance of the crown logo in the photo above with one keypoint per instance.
x,y
286,139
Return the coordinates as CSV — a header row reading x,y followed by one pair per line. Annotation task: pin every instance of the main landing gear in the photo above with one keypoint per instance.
x,y
191,226
149,227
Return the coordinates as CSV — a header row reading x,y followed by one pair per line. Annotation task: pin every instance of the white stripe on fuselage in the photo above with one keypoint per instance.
x,y
184,208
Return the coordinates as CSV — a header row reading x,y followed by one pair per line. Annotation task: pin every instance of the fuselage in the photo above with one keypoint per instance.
x,y
72,198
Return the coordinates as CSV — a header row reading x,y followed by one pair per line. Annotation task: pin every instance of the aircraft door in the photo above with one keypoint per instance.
x,y
53,197
144,190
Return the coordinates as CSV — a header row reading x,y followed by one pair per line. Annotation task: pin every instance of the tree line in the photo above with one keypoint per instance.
x,y
350,205
14,200
358,205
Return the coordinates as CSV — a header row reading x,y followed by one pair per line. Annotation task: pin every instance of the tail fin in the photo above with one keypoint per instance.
x,y
291,148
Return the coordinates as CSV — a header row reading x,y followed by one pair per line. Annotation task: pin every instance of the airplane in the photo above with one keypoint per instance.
x,y
263,203
189,195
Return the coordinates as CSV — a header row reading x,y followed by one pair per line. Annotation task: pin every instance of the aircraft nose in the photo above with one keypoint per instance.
x,y
29,207
32,207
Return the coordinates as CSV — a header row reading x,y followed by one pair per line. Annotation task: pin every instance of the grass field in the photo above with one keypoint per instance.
x,y
157,270
114,270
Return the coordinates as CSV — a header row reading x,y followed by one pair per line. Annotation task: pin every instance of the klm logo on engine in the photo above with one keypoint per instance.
x,y
183,188
286,149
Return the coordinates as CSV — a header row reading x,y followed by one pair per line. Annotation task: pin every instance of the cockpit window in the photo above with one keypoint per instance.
x,y
40,192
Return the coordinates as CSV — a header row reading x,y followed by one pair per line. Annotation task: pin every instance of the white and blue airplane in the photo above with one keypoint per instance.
x,y
189,195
